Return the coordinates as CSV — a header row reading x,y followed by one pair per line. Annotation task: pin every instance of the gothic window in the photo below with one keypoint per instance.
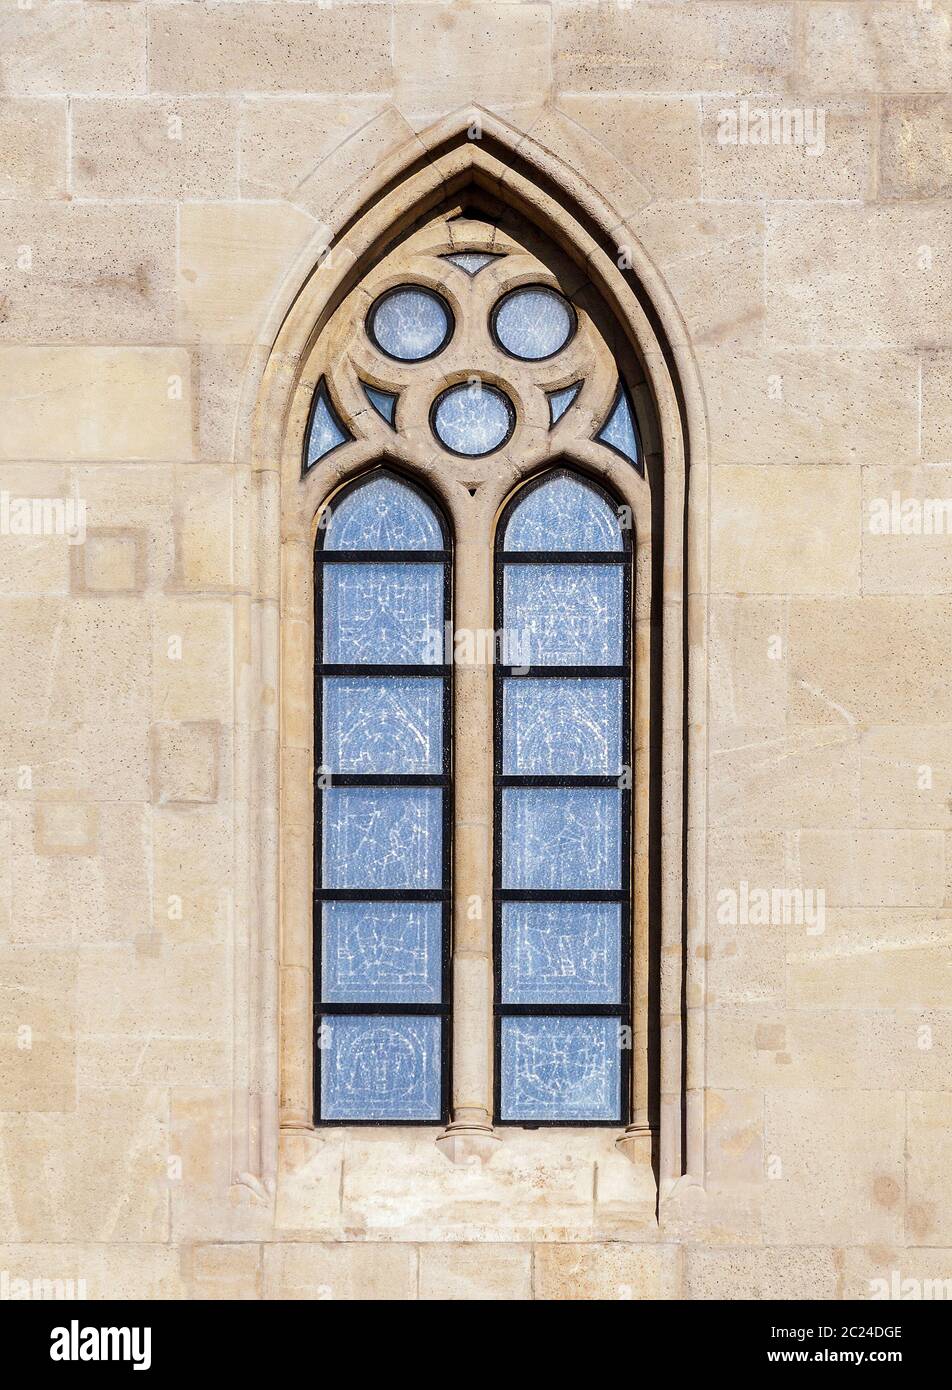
x,y
475,358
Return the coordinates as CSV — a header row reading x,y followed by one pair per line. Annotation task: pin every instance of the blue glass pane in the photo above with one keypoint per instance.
x,y
564,728
376,613
382,837
410,323
473,419
561,837
381,514
559,401
472,261
386,725
619,431
563,615
563,514
560,1069
380,1068
561,953
533,322
326,430
382,953
383,402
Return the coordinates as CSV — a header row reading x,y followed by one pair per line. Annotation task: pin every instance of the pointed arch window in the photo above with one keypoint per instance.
x,y
474,358
562,813
382,807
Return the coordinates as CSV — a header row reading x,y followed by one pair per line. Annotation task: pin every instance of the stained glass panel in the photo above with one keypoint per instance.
x,y
381,514
561,728
533,322
559,401
472,261
472,419
382,953
325,431
388,726
561,837
619,431
383,402
560,1069
564,615
387,612
380,1068
382,837
561,953
563,514
410,323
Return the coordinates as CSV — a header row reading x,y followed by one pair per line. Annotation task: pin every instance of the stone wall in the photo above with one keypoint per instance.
x,y
169,174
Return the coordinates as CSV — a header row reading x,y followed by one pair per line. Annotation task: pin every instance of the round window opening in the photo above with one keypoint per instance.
x,y
533,322
472,418
410,323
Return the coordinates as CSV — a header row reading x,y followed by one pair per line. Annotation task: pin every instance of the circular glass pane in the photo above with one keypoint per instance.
x,y
409,323
472,418
533,323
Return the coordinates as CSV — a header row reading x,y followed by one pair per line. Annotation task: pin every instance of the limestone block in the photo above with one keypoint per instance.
x,y
260,48
874,868
33,138
869,661
744,961
606,1272
112,560
747,671
907,523
877,46
232,261
95,1174
94,1271
134,501
820,293
66,762
37,1039
915,147
897,1272
928,1206
826,155
351,169
205,524
370,1272
193,892
937,407
192,660
712,258
487,53
73,49
224,1271
785,530
906,776
85,272
78,661
769,1273
155,148
850,1045
208,1201
697,46
95,403
805,777
812,406
734,1124
282,139
186,762
454,1273
834,1166
654,136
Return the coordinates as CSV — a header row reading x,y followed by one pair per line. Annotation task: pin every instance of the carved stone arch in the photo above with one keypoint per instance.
x,y
273,665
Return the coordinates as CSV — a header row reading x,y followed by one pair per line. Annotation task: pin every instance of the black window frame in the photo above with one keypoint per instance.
x,y
443,780
624,894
